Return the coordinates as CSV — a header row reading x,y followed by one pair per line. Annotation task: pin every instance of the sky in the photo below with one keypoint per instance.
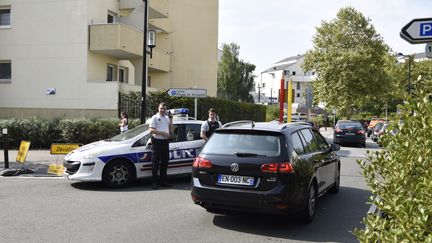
x,y
268,31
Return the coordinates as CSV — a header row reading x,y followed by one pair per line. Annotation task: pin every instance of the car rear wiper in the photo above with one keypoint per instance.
x,y
242,154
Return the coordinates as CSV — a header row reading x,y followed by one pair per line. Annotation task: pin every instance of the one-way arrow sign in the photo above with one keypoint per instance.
x,y
193,93
418,31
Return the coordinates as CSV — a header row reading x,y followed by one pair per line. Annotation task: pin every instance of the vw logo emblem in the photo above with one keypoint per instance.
x,y
234,167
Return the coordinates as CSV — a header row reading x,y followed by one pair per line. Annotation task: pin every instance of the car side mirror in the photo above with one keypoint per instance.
x,y
334,147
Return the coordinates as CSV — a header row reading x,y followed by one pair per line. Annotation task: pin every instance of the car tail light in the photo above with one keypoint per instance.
x,y
200,162
337,130
285,167
270,168
360,132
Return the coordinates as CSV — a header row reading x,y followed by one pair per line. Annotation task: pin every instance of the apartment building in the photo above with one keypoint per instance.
x,y
268,82
71,58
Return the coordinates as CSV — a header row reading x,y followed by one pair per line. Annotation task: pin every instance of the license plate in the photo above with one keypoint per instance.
x,y
236,180
349,133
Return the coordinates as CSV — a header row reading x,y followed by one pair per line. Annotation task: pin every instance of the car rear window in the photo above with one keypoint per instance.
x,y
232,143
350,125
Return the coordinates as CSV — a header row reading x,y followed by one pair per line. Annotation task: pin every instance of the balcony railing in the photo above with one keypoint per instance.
x,y
117,40
159,61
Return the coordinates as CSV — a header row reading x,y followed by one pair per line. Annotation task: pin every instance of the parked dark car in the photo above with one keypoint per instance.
x,y
350,132
265,167
376,131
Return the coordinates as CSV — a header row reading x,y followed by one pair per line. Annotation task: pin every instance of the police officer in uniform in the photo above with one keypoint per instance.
x,y
208,127
160,128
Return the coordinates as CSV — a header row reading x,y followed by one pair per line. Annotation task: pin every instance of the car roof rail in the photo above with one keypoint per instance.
x,y
234,123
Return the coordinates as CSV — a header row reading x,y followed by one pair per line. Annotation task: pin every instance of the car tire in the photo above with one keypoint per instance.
x,y
306,216
335,188
118,174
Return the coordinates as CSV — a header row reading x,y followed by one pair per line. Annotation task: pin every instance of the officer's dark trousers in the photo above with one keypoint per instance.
x,y
160,157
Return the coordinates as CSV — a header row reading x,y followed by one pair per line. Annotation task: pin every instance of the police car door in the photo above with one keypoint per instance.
x,y
192,145
142,149
176,148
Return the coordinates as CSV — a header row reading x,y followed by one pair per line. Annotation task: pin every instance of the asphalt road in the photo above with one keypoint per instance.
x,y
38,209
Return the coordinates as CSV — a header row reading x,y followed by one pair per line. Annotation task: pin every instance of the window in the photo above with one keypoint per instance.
x,y
111,17
297,143
293,73
263,85
149,81
111,72
5,16
322,144
298,95
310,143
193,132
5,70
298,85
123,74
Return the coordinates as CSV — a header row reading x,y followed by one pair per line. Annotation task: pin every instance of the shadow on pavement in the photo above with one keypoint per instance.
x,y
178,183
335,219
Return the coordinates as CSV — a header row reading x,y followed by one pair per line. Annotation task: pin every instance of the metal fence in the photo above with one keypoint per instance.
x,y
131,105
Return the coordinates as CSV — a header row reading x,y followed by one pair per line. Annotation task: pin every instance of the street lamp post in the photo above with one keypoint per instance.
x,y
144,66
409,59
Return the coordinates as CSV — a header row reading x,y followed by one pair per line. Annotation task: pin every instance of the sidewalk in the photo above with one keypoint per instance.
x,y
327,133
37,160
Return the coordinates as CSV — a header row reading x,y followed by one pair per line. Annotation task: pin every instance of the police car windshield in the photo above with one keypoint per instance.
x,y
130,133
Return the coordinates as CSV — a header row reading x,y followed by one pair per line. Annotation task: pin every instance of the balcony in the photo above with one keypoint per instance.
x,y
159,24
159,61
157,8
117,40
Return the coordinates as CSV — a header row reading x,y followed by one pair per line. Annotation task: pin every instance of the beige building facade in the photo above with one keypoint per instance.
x,y
72,58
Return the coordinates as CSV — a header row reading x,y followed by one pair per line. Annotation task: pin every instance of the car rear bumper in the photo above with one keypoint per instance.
x,y
349,139
272,202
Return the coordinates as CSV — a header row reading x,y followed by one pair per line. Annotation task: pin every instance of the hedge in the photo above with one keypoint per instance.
x,y
41,132
400,178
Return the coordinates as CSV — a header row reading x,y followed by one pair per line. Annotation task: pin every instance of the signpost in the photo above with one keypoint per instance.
x,y
428,50
417,31
191,93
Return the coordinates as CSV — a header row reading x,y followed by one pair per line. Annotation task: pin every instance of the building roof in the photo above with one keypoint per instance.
x,y
283,64
293,58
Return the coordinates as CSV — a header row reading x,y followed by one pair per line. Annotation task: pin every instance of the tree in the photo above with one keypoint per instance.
x,y
349,58
235,79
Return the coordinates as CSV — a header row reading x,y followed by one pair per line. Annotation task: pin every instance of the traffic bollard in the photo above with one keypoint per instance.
x,y
6,149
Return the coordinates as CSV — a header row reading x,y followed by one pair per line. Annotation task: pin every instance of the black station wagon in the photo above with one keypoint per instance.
x,y
265,167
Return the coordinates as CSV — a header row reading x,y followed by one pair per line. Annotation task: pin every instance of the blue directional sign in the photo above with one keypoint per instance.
x,y
426,29
418,31
192,93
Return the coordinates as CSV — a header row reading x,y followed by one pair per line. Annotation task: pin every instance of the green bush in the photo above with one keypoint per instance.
x,y
400,178
42,133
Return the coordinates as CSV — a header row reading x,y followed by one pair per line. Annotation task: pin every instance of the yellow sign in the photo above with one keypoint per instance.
x,y
63,148
22,152
56,169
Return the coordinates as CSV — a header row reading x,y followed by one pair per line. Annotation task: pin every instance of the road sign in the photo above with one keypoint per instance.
x,y
193,93
418,31
428,50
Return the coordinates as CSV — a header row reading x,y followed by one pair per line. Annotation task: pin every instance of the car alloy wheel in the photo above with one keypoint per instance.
x,y
117,174
336,186
309,210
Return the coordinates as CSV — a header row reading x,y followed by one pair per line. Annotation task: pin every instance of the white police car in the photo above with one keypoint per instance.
x,y
125,157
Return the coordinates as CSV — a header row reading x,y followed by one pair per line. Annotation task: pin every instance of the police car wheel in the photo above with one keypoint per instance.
x,y
117,174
